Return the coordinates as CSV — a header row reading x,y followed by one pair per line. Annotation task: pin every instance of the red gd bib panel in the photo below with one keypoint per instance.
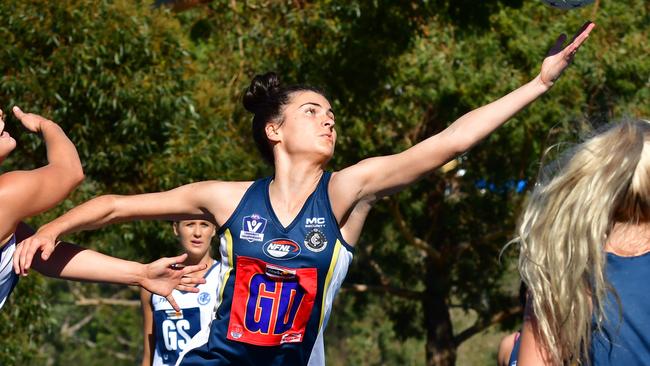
x,y
271,304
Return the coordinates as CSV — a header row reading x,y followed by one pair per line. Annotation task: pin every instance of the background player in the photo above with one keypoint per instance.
x,y
166,331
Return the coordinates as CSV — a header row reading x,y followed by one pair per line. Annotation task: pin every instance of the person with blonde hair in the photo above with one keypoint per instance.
x,y
585,241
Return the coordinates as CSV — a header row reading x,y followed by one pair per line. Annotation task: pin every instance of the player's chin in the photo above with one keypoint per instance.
x,y
6,147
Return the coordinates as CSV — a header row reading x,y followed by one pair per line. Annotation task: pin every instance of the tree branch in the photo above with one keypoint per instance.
x,y
480,325
104,301
403,293
67,331
408,235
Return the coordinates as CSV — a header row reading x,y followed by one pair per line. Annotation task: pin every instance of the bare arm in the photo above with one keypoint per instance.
x,y
375,177
75,263
147,328
211,200
26,193
531,353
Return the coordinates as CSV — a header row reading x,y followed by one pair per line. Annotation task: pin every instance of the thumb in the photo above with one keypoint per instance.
x,y
177,260
18,112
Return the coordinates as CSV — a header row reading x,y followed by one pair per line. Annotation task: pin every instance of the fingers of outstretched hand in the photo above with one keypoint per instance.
x,y
186,288
173,303
194,268
579,39
558,45
583,31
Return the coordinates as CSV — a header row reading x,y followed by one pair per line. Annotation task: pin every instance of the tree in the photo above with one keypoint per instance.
x,y
152,100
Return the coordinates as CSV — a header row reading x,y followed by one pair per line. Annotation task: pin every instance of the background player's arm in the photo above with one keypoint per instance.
x,y
212,200
376,177
26,193
531,352
147,328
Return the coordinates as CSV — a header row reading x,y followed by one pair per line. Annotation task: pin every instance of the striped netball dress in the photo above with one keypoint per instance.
x,y
278,284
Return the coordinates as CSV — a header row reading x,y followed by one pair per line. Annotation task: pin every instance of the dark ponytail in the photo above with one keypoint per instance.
x,y
265,98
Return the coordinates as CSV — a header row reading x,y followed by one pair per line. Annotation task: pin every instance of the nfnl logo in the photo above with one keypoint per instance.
x,y
312,222
281,249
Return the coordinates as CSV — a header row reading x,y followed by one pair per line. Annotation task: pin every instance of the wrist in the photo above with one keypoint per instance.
x,y
140,274
49,231
46,124
542,85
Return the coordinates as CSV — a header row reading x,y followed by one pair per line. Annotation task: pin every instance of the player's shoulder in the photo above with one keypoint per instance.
x,y
222,188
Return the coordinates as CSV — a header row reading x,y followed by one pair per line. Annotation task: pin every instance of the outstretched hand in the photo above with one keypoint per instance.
x,y
31,121
559,56
166,274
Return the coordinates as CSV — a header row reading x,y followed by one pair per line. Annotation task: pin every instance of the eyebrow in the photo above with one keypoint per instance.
x,y
318,105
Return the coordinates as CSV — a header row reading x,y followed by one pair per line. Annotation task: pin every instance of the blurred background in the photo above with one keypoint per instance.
x,y
150,93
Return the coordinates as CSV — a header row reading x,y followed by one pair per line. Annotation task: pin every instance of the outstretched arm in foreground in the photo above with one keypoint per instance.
x,y
210,200
75,263
379,176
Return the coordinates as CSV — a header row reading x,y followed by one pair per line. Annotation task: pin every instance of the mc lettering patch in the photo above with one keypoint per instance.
x,y
271,304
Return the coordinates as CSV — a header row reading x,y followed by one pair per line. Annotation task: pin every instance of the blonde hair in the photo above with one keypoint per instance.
x,y
565,225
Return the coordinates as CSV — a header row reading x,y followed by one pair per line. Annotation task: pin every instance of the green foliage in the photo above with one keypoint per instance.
x,y
152,101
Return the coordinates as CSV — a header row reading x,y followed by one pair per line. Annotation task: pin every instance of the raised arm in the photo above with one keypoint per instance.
x,y
380,176
26,193
212,200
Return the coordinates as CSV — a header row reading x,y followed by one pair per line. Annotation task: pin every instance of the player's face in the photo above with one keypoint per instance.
x,y
195,236
308,126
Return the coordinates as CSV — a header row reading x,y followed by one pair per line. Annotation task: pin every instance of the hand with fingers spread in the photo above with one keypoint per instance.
x,y
560,56
162,277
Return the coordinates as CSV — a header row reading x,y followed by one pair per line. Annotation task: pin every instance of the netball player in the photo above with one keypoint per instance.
x,y
167,331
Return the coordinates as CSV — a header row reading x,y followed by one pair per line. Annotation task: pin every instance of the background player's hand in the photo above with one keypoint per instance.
x,y
27,248
31,121
163,276
559,56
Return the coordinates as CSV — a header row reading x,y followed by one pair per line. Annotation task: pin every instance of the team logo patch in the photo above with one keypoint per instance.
x,y
203,298
253,228
236,331
282,249
315,241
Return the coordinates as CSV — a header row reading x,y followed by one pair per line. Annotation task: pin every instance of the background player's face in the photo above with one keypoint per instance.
x,y
308,126
195,236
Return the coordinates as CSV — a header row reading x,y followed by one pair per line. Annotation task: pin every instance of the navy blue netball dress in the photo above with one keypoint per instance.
x,y
278,284
625,337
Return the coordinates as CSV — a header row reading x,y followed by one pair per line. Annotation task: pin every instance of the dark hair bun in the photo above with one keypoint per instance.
x,y
261,92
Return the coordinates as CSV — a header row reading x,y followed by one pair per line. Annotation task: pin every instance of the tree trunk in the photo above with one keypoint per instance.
x,y
440,346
